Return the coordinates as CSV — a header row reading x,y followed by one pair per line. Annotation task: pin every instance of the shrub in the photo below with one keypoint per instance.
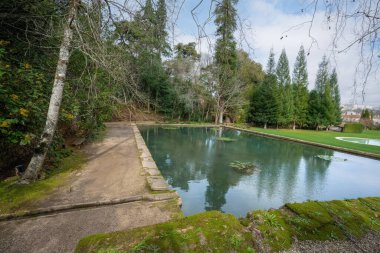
x,y
353,128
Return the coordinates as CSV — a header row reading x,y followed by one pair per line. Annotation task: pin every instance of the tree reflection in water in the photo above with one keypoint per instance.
x,y
192,158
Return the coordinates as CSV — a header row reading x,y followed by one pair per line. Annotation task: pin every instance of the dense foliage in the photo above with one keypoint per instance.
x,y
282,101
126,64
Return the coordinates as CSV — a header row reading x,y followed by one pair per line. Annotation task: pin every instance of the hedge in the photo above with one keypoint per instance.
x,y
353,128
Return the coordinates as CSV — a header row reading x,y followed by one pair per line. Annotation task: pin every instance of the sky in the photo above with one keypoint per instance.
x,y
264,23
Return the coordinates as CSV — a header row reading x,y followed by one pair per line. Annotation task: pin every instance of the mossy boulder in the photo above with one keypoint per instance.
x,y
205,232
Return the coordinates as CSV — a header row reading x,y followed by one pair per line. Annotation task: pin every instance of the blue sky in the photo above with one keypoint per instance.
x,y
265,22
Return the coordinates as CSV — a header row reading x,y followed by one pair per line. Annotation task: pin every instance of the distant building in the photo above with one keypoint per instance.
x,y
351,116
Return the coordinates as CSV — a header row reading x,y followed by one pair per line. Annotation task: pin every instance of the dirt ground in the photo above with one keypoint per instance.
x,y
113,171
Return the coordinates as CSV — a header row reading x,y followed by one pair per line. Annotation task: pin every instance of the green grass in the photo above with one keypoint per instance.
x,y
326,137
275,229
206,232
16,198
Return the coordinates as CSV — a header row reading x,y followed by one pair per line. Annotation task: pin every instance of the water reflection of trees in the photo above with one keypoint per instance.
x,y
190,154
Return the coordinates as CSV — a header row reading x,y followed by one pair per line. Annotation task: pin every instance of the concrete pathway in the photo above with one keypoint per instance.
x,y
113,171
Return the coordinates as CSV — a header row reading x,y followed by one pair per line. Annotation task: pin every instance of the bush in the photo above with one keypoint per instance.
x,y
353,128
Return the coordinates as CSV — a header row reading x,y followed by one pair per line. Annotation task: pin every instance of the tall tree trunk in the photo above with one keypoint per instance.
x,y
294,125
221,114
265,125
39,155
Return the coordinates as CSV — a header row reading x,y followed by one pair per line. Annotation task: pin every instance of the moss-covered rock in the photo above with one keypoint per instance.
x,y
206,232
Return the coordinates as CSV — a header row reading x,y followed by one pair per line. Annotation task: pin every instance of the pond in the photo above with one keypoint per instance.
x,y
197,165
360,140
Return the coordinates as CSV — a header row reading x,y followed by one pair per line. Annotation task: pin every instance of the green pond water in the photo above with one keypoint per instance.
x,y
197,165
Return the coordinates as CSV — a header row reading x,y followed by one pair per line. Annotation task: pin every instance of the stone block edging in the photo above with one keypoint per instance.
x,y
63,208
154,179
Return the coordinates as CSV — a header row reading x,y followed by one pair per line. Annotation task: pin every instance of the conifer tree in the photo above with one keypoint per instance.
x,y
271,65
161,14
282,70
315,115
336,95
328,106
285,89
325,91
264,102
225,55
322,76
300,91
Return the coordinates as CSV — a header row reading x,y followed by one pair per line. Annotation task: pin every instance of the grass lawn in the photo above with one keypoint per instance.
x,y
326,137
275,229
15,197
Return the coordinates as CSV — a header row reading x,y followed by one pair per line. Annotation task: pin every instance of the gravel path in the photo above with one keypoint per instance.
x,y
369,243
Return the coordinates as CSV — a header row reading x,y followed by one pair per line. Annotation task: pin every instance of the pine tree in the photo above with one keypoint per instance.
x,y
300,91
322,76
161,15
271,66
336,94
264,102
282,70
272,94
225,53
285,89
328,106
324,90
314,116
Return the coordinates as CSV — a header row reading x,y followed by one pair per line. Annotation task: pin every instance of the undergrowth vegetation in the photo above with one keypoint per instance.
x,y
15,197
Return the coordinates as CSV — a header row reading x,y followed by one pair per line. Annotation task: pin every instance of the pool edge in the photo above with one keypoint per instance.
x,y
345,150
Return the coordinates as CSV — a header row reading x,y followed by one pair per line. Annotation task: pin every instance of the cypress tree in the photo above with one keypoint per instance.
x,y
285,89
300,91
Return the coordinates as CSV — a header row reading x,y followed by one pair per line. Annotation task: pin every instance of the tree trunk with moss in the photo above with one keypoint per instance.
x,y
39,155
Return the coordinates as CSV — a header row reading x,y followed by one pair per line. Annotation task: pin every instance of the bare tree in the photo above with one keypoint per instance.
x,y
38,158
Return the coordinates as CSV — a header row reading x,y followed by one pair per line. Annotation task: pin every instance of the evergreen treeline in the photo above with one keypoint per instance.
x,y
282,101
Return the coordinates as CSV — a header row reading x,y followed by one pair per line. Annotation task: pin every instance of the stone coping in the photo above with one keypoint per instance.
x,y
69,207
154,178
